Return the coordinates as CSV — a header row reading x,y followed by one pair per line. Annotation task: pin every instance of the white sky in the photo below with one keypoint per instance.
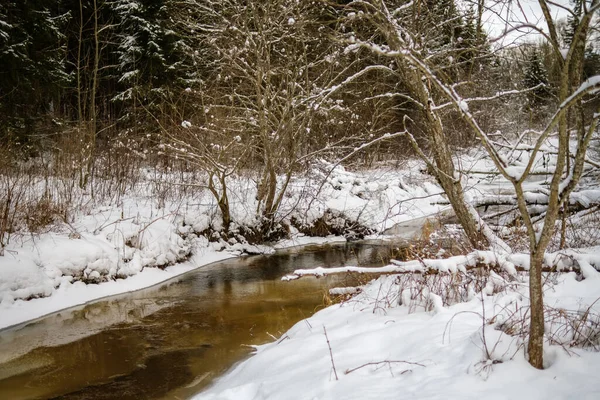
x,y
504,14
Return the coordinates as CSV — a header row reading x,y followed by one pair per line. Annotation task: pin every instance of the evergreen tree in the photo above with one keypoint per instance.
x,y
33,70
591,63
443,15
472,41
536,75
591,59
453,34
153,60
572,22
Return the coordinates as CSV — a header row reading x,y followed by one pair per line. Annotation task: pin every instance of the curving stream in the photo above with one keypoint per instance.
x,y
172,340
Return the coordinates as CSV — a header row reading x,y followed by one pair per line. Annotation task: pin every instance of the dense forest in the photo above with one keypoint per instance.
x,y
94,86
83,77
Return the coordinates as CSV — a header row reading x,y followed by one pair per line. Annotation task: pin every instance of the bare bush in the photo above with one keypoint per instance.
x,y
565,328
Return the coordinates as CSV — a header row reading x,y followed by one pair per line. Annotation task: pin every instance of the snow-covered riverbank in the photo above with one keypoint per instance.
x,y
382,345
113,249
449,334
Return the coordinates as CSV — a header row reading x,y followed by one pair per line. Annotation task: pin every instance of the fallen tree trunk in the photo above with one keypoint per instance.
x,y
512,264
584,199
320,272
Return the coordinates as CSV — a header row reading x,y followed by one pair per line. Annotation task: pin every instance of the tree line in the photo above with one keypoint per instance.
x,y
109,68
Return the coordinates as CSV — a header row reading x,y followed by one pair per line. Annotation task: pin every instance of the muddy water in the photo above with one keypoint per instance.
x,y
170,341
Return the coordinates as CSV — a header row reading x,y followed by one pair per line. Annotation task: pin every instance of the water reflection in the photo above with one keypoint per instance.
x,y
169,341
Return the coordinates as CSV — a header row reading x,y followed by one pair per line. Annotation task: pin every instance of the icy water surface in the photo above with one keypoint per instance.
x,y
170,341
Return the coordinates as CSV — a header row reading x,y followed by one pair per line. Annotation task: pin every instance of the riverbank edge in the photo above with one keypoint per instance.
x,y
25,312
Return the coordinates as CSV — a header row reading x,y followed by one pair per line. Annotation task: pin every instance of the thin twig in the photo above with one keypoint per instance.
x,y
330,354
383,362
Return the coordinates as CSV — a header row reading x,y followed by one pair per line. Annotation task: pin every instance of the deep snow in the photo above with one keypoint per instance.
x,y
385,350
141,241
384,344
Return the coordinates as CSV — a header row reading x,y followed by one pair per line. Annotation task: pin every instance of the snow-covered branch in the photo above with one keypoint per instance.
x,y
509,263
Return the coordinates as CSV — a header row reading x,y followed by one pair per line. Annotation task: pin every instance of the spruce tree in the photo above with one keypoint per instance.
x,y
33,71
591,63
591,59
453,34
536,75
153,60
572,22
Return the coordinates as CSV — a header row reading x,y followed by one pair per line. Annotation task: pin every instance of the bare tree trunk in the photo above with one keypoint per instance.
x,y
78,67
446,176
535,347
222,199
82,131
90,146
444,169
480,6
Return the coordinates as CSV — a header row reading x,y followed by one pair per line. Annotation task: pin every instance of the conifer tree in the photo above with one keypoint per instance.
x,y
572,21
536,75
153,60
33,71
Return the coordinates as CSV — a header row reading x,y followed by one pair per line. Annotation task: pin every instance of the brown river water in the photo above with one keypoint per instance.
x,y
172,340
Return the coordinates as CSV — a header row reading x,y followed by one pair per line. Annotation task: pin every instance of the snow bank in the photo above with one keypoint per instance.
x,y
106,251
149,235
378,199
142,240
380,349
14,311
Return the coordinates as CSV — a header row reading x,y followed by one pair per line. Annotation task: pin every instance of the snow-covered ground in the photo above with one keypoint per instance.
x,y
446,335
396,340
385,342
145,237
143,240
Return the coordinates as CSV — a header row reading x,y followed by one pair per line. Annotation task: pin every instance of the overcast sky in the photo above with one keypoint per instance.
x,y
503,14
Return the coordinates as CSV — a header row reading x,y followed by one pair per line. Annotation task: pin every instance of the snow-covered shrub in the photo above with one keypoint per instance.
x,y
584,229
563,327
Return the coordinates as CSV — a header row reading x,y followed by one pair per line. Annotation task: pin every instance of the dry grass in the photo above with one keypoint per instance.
x,y
565,328
435,241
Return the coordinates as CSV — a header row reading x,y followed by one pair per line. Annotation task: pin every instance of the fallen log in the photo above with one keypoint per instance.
x,y
511,264
584,199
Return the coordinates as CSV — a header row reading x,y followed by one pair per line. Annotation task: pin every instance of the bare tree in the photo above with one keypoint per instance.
x,y
89,66
394,36
429,88
269,67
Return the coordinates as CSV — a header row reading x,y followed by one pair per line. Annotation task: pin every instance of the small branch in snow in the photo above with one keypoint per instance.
x,y
388,362
330,354
340,291
153,221
282,339
99,229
